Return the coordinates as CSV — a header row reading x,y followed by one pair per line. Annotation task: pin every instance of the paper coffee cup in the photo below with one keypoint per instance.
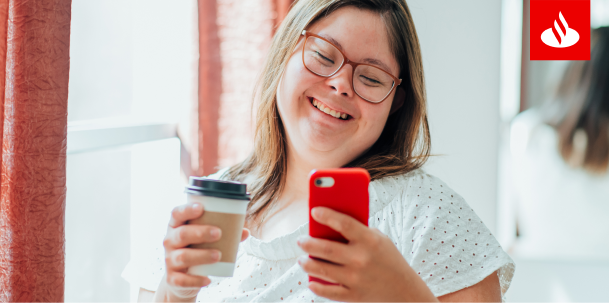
x,y
225,204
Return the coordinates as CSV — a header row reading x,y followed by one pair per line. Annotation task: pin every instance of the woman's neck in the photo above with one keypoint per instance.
x,y
297,174
296,181
291,208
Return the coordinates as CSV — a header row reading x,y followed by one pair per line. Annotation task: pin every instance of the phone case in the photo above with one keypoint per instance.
x,y
348,195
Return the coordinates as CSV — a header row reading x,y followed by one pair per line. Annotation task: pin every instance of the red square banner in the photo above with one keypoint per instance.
x,y
560,30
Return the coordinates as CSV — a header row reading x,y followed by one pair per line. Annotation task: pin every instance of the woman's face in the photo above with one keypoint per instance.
x,y
314,135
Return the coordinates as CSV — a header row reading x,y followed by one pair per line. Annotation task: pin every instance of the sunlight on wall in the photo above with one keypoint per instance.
x,y
511,55
97,225
156,188
558,292
599,13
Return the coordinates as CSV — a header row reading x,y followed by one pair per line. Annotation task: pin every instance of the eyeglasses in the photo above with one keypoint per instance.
x,y
324,59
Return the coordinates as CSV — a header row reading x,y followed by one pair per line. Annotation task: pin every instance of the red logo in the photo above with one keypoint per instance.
x,y
560,30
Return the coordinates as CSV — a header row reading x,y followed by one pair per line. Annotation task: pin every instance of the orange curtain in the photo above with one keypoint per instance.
x,y
282,7
34,67
226,77
210,87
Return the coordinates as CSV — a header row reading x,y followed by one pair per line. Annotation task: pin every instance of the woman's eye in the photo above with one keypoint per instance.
x,y
324,58
370,81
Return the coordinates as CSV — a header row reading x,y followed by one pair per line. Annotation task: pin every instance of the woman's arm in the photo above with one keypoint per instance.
x,y
161,295
145,296
487,290
370,268
151,296
177,285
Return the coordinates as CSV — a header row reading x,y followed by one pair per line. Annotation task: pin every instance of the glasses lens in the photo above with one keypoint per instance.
x,y
321,57
372,83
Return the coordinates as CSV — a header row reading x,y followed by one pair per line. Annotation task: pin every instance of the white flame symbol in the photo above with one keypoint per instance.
x,y
560,35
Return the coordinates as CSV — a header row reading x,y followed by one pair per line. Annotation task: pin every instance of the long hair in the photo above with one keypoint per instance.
x,y
580,110
404,144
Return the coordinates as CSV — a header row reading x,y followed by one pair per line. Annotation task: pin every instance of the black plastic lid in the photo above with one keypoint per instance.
x,y
216,188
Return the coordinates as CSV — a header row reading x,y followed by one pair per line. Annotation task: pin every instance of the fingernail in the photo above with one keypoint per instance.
x,y
302,259
316,212
196,206
301,239
216,255
215,232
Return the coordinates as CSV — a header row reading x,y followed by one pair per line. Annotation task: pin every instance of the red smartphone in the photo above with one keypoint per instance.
x,y
344,190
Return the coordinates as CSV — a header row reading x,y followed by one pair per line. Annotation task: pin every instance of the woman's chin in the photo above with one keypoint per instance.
x,y
316,142
321,138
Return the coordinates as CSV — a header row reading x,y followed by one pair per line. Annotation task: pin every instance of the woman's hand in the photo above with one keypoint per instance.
x,y
368,268
178,257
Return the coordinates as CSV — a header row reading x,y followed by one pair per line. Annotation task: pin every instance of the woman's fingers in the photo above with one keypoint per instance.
x,y
181,214
347,226
332,292
185,235
244,234
323,270
184,258
182,280
324,249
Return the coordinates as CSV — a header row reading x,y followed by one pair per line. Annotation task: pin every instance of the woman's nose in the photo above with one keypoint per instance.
x,y
341,81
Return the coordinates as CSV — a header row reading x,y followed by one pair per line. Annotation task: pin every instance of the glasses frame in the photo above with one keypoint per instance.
x,y
346,60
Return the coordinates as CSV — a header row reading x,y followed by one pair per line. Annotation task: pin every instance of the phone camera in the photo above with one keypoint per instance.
x,y
324,182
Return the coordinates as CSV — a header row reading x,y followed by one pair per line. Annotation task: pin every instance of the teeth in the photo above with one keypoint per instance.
x,y
328,111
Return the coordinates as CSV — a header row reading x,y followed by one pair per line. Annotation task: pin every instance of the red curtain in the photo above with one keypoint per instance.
x,y
210,87
282,7
34,67
223,128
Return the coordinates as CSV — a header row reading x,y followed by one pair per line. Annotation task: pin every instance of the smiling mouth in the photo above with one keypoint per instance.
x,y
328,111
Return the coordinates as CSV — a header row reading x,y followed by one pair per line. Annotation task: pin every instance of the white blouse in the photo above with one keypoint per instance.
x,y
437,232
561,211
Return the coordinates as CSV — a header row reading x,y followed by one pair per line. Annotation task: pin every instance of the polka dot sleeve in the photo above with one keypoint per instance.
x,y
444,240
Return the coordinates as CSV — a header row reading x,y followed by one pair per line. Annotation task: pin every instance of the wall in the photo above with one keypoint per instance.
x,y
132,61
460,41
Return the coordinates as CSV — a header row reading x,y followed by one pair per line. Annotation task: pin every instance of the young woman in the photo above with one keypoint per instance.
x,y
562,164
342,87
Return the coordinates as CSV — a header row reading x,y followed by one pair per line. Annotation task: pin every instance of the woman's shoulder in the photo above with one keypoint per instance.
x,y
437,232
408,180
221,174
408,187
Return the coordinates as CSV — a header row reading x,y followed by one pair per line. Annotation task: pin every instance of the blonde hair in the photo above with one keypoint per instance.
x,y
404,143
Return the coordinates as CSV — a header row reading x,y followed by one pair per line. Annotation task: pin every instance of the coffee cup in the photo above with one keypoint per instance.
x,y
225,204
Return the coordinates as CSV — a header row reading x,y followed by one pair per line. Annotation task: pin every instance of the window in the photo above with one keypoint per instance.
x,y
133,81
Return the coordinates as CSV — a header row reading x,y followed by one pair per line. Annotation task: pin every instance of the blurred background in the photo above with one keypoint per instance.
x,y
161,90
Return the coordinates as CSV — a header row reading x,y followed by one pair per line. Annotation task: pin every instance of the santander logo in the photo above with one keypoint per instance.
x,y
560,36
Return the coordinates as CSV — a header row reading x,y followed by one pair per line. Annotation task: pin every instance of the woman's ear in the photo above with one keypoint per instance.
x,y
398,100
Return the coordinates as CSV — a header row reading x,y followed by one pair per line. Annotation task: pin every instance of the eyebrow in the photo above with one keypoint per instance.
x,y
367,60
377,62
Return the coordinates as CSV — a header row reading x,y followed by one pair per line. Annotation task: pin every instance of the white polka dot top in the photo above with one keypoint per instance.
x,y
436,231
